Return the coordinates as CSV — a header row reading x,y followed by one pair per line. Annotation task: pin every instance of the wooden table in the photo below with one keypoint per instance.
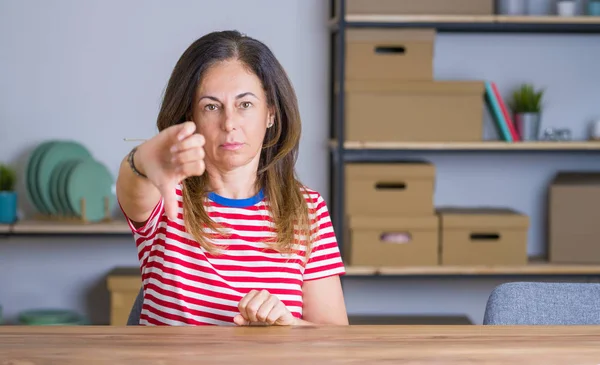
x,y
301,345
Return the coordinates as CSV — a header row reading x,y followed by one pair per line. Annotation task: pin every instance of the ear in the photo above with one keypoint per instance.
x,y
270,118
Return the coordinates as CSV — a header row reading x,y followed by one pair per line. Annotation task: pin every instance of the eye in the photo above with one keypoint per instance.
x,y
246,104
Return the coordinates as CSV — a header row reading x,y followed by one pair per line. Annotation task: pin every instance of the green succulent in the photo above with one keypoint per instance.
x,y
8,178
527,100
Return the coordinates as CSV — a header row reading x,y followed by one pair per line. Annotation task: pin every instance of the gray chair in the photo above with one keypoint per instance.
x,y
136,310
531,303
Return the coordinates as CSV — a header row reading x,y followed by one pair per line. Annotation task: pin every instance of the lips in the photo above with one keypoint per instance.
x,y
232,145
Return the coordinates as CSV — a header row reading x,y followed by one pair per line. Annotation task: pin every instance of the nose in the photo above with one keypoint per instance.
x,y
230,121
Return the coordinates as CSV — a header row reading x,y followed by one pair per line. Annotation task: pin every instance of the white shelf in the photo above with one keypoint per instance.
x,y
65,227
475,146
501,19
533,268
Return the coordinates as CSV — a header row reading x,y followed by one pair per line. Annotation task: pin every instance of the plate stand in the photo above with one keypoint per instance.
x,y
79,219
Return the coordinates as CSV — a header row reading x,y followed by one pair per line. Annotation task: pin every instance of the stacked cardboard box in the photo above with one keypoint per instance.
x,y
391,94
124,284
392,221
391,215
420,7
574,208
483,236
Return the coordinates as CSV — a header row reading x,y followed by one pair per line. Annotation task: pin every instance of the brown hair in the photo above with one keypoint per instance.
x,y
276,174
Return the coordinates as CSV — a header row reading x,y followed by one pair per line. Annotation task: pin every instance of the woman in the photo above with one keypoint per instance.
x,y
225,232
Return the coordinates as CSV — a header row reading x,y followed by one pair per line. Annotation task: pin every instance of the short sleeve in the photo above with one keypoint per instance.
x,y
325,259
145,235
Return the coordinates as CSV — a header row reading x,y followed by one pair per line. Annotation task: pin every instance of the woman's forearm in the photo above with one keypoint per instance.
x,y
136,194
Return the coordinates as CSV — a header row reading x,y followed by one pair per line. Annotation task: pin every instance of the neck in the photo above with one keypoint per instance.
x,y
239,183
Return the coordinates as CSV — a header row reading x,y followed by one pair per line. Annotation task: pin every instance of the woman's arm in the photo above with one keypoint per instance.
x,y
137,195
324,302
166,159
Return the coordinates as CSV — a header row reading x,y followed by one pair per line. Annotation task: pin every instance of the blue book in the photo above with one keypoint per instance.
x,y
496,112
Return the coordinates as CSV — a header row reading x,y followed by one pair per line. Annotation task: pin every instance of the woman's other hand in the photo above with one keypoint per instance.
x,y
263,308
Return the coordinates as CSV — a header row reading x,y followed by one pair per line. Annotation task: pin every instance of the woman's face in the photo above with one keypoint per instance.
x,y
232,114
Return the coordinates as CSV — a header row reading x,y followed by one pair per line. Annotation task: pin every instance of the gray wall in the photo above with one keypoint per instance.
x,y
95,70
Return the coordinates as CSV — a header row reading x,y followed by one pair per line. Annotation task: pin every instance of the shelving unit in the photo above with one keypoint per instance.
x,y
343,151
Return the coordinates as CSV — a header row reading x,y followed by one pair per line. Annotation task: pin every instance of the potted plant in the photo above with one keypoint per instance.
x,y
8,195
526,106
594,7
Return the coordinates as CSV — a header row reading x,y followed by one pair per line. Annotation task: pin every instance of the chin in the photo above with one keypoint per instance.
x,y
234,161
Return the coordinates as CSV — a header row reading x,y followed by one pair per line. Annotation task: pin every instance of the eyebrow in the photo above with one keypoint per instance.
x,y
248,93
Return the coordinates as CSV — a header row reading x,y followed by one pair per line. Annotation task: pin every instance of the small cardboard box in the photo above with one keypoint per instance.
x,y
574,212
483,236
124,284
436,111
389,54
400,188
392,241
420,7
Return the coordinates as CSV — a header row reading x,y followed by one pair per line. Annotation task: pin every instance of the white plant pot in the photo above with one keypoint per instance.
x,y
566,8
595,130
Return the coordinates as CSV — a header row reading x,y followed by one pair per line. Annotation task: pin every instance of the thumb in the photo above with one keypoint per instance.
x,y
240,321
182,131
170,198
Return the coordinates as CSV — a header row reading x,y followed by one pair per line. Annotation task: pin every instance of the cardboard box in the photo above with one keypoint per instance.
x,y
483,236
392,241
401,188
389,54
420,7
436,111
124,285
573,212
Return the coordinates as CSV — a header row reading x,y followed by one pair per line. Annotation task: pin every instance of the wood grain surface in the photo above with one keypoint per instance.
x,y
423,18
300,345
474,146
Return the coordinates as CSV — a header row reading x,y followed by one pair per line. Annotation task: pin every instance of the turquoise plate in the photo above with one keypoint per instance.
x,y
58,181
50,317
62,186
31,176
91,180
54,186
56,153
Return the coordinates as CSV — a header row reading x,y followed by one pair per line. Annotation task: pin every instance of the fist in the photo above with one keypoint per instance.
x,y
263,308
169,157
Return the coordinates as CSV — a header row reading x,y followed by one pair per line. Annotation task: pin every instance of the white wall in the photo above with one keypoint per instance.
x,y
95,71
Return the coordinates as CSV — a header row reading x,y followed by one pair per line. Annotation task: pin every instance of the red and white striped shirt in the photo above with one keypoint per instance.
x,y
186,285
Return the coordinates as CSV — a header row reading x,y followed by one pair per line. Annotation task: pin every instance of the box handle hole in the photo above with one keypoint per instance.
x,y
393,50
390,186
395,237
485,236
